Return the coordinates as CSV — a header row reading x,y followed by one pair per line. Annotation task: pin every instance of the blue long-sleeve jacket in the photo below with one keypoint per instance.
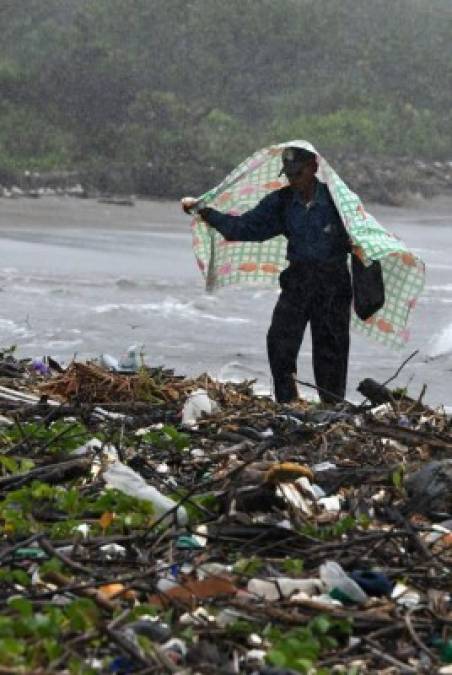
x,y
315,233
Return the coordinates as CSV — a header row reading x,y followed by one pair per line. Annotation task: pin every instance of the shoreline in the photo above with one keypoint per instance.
x,y
399,182
84,276
160,213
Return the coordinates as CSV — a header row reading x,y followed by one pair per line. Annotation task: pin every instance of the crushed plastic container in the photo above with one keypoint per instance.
x,y
109,362
256,657
405,596
335,579
331,504
213,568
273,589
196,404
113,551
125,479
131,360
324,466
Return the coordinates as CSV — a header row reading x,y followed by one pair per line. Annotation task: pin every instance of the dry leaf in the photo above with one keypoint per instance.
x,y
110,591
193,591
106,519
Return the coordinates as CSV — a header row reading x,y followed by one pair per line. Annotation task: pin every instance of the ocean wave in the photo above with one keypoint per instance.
x,y
441,344
167,309
126,284
234,371
440,287
11,274
10,327
63,344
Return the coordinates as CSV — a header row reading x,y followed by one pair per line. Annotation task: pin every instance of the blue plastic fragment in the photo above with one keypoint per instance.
x,y
373,583
175,569
121,665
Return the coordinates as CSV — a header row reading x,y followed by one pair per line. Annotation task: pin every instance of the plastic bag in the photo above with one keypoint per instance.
x,y
368,288
197,403
125,479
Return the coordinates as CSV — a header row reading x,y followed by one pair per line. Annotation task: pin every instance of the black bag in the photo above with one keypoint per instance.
x,y
368,288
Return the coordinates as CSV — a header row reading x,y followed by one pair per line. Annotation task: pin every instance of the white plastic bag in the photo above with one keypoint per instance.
x,y
125,479
197,403
273,589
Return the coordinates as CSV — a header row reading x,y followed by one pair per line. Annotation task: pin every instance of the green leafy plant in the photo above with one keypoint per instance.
x,y
32,639
248,566
61,436
166,438
16,576
293,566
20,516
397,477
299,648
344,525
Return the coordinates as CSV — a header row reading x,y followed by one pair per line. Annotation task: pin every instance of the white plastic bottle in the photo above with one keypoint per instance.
x,y
333,576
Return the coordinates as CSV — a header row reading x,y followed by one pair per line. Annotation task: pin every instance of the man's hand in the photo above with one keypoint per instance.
x,y
188,203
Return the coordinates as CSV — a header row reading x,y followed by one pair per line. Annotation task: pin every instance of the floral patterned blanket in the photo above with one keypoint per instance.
x,y
223,263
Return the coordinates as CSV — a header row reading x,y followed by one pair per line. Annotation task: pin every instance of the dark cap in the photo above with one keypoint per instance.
x,y
294,158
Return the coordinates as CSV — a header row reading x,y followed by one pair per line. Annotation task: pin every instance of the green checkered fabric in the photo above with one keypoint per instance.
x,y
224,263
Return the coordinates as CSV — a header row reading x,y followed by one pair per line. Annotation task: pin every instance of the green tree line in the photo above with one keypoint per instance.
x,y
162,96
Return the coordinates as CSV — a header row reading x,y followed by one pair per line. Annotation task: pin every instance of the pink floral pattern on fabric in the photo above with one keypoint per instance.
x,y
225,269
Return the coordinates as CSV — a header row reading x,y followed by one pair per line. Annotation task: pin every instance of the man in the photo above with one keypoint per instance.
x,y
316,285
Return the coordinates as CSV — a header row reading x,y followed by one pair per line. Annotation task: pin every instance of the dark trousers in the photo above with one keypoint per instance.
x,y
321,295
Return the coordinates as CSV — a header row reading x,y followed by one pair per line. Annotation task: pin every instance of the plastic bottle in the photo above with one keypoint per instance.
x,y
334,578
214,568
109,362
130,361
273,589
125,479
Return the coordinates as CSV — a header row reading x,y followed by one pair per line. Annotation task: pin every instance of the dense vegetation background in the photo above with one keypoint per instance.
x,y
158,94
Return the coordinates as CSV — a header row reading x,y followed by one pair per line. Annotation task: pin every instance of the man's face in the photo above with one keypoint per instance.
x,y
304,177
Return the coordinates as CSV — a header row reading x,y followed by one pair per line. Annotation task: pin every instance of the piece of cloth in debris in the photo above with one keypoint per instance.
x,y
223,263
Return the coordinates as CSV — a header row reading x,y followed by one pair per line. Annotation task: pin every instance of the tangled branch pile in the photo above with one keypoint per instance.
x,y
263,539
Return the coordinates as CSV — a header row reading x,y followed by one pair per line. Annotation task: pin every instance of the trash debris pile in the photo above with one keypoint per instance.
x,y
158,524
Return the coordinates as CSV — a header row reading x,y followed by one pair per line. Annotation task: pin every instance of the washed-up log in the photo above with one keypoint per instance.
x,y
411,437
375,392
52,473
